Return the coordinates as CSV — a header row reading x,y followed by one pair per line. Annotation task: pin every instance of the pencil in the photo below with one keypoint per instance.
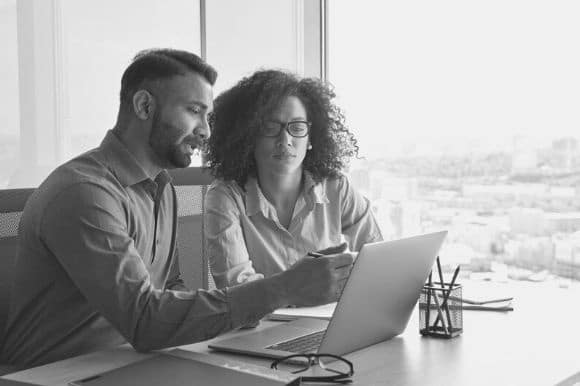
x,y
440,313
314,254
443,286
440,272
427,315
446,297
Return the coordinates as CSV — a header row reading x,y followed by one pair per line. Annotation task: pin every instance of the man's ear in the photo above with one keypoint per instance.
x,y
143,104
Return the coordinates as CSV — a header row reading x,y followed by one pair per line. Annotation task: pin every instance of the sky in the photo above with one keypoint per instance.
x,y
456,74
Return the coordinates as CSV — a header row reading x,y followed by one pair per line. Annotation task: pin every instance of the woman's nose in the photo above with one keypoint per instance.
x,y
284,138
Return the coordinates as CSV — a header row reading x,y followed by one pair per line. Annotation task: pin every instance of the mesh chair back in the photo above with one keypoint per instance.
x,y
12,203
191,185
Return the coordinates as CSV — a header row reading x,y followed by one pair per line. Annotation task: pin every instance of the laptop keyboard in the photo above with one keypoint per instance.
x,y
302,344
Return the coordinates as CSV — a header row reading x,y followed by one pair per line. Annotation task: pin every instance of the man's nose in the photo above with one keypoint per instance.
x,y
203,131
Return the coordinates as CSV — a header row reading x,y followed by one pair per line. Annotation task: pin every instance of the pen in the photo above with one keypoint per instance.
x,y
480,302
446,296
440,272
443,286
436,298
427,314
314,254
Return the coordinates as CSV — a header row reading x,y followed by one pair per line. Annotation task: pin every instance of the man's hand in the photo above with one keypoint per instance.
x,y
314,281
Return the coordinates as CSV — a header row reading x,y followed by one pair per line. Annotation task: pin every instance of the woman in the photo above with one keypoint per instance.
x,y
278,147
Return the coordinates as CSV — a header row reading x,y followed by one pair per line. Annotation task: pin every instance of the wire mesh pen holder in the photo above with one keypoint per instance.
x,y
441,310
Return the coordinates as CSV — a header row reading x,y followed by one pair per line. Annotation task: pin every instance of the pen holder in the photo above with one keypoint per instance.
x,y
441,310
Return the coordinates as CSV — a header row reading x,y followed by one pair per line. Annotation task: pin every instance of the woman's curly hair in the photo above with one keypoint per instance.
x,y
239,111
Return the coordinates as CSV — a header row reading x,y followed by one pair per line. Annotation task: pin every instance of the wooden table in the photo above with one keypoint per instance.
x,y
536,344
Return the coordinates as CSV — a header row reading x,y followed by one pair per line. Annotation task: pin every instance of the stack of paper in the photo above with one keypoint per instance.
x,y
504,304
291,313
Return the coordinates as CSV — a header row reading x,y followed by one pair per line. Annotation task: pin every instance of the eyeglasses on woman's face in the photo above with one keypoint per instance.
x,y
298,129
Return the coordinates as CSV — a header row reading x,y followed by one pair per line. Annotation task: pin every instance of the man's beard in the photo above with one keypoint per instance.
x,y
163,139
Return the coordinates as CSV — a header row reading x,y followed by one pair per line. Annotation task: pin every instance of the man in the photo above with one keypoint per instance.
x,y
97,264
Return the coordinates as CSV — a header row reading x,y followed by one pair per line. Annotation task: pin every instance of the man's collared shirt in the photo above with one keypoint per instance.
x,y
245,240
97,267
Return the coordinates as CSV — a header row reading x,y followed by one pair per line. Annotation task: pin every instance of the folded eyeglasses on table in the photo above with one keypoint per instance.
x,y
333,368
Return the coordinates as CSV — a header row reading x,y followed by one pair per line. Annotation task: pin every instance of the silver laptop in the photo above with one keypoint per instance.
x,y
375,305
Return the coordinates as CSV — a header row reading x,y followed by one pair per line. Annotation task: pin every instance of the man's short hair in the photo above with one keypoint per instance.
x,y
154,64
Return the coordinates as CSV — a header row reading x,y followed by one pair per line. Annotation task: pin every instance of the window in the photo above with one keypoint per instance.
x,y
244,36
94,56
9,110
467,115
65,59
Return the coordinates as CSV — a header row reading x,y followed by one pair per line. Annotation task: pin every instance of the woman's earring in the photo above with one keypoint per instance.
x,y
309,147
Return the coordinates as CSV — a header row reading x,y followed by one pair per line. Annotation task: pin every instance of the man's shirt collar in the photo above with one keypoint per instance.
x,y
124,165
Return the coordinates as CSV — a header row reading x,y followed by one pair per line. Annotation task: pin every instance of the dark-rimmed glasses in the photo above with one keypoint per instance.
x,y
342,368
298,129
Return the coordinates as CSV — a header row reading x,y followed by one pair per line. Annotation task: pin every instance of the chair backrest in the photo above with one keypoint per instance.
x,y
191,185
12,203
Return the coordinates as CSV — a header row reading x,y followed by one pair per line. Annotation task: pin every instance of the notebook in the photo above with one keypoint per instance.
x,y
8,382
375,305
181,367
291,313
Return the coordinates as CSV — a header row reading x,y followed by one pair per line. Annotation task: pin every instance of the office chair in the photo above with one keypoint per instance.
x,y
12,203
191,185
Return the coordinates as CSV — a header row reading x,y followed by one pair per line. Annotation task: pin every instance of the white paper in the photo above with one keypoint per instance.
x,y
290,313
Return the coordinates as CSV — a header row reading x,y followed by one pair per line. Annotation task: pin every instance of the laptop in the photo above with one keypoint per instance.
x,y
375,305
